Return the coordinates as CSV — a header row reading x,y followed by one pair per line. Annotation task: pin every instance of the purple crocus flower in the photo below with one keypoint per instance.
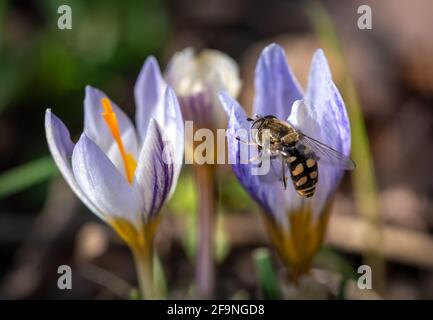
x,y
296,224
124,174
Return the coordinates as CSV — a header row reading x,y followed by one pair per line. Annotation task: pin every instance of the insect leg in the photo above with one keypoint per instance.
x,y
246,142
284,175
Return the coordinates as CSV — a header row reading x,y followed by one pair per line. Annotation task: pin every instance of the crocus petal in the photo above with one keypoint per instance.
x,y
61,148
197,79
275,85
156,100
329,179
181,73
323,116
180,65
341,119
326,107
198,108
103,183
149,93
302,119
238,122
96,128
173,131
155,171
190,73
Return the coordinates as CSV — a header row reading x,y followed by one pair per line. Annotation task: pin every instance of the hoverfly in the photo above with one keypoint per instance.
x,y
297,152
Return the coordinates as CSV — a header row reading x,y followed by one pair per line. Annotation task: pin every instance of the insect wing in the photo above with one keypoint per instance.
x,y
326,154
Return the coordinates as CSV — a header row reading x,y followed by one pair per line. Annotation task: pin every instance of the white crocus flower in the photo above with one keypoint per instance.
x,y
124,174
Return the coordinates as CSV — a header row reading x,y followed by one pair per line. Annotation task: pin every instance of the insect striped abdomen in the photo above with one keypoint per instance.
x,y
304,173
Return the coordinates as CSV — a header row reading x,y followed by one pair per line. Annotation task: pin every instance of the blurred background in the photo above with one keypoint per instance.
x,y
386,73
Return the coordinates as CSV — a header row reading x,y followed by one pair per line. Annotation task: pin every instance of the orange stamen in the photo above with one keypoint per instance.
x,y
111,120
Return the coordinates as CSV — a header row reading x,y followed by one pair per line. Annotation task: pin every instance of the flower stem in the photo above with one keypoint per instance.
x,y
143,259
205,272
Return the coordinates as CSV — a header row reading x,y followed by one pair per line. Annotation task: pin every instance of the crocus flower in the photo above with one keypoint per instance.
x,y
198,78
122,173
296,224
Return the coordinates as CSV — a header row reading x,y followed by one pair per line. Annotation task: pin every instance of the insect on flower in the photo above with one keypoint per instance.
x,y
301,132
294,151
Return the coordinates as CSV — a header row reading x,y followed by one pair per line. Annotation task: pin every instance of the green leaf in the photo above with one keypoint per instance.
x,y
184,200
222,243
329,259
189,240
232,197
184,203
134,294
266,276
159,278
26,176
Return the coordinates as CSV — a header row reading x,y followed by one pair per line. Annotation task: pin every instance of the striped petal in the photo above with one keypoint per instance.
x,y
155,172
173,131
156,100
103,184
